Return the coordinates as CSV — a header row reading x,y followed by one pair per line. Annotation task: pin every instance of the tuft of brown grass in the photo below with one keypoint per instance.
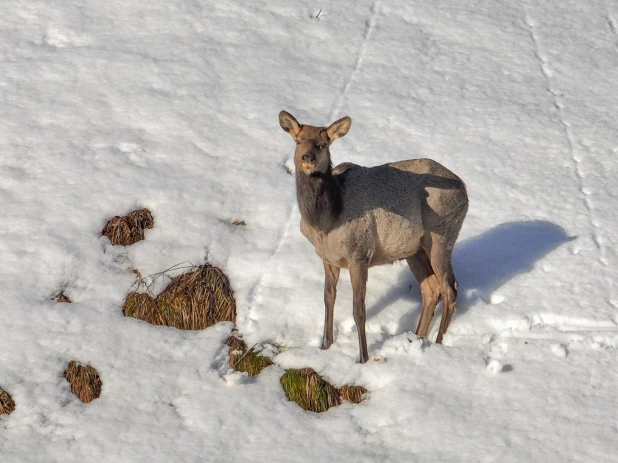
x,y
246,360
85,381
194,300
352,394
7,405
239,223
142,306
128,229
312,392
61,297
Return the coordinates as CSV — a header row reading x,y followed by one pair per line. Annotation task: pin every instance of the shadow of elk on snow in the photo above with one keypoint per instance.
x,y
482,264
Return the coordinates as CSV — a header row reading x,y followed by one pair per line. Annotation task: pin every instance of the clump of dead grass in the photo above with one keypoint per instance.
x,y
354,394
312,392
61,297
142,306
239,223
85,381
246,360
128,229
7,405
194,300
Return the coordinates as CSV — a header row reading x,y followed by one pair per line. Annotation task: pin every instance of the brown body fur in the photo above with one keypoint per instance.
x,y
358,217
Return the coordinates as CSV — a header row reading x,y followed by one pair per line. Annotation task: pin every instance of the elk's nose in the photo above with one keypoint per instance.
x,y
309,158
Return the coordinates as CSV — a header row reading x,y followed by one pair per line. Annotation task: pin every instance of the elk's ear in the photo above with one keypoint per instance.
x,y
289,123
339,128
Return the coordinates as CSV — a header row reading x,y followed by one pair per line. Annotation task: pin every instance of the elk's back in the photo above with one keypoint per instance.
x,y
388,209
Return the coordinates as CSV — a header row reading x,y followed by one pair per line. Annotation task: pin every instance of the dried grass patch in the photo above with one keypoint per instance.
x,y
354,394
312,392
7,405
128,229
194,300
61,297
246,360
85,381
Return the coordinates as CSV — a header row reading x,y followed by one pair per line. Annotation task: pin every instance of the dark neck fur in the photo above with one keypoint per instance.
x,y
319,199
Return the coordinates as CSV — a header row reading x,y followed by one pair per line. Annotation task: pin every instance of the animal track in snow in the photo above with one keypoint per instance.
x,y
63,39
369,28
496,355
492,299
557,101
612,23
134,152
559,350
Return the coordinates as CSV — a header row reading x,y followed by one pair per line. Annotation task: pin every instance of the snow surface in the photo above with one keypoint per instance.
x,y
172,105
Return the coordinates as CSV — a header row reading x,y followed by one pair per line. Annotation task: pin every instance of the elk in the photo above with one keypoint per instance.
x,y
357,217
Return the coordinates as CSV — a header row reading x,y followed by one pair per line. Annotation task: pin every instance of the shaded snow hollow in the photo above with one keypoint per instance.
x,y
172,105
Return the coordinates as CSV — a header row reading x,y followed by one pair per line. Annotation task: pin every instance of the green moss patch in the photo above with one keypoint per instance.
x,y
312,392
309,390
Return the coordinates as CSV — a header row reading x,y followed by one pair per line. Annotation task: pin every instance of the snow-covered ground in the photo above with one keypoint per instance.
x,y
173,105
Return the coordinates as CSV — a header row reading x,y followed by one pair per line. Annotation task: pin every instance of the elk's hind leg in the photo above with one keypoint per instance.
x,y
430,289
440,258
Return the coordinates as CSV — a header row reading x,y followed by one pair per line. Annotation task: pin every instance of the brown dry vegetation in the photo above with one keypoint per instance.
x,y
7,405
128,229
61,297
194,300
246,360
85,381
239,223
312,392
352,393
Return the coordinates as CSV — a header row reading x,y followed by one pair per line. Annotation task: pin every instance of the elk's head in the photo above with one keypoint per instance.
x,y
312,156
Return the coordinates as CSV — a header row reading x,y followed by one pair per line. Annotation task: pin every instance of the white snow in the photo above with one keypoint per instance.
x,y
559,350
172,105
495,366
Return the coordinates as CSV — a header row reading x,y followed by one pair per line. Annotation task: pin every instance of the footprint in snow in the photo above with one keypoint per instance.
x,y
559,350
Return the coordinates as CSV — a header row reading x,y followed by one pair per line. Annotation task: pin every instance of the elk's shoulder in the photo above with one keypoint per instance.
x,y
343,167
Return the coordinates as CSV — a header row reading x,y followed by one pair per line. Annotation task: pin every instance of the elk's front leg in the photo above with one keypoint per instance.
x,y
331,277
358,275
